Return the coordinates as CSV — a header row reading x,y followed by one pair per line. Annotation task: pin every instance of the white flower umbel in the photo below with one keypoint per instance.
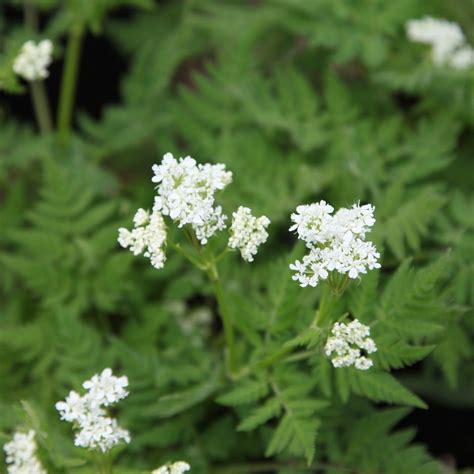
x,y
97,430
33,60
178,467
106,388
21,454
147,238
347,344
186,192
336,242
463,58
448,43
247,232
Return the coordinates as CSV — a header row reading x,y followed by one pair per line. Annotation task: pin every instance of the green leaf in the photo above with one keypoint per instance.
x,y
295,434
381,387
171,405
260,415
245,392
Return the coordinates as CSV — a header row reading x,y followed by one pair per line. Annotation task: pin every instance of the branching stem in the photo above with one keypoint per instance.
x,y
226,319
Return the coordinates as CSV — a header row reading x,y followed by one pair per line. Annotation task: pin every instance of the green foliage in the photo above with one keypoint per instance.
x,y
370,435
78,269
302,101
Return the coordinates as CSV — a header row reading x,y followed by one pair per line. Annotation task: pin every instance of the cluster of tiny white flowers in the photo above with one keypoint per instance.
x,y
148,237
186,192
97,430
33,60
448,43
336,242
179,467
346,343
21,454
247,232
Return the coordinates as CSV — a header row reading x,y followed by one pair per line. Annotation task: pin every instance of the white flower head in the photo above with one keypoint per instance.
x,y
186,193
311,222
247,232
105,388
21,454
447,41
33,60
97,430
347,343
147,238
178,467
463,58
335,242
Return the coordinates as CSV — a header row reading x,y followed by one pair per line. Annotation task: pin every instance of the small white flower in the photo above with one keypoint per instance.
x,y
161,470
247,232
347,342
178,467
448,43
21,454
33,60
311,222
105,388
72,408
463,58
186,192
147,238
335,242
97,430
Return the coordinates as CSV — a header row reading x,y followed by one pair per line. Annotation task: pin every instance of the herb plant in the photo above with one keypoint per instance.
x,y
298,276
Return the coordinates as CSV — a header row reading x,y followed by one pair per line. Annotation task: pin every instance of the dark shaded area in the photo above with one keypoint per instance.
x,y
446,431
100,73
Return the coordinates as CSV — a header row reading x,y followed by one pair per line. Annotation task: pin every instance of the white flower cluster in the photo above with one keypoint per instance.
x,y
247,232
178,467
21,454
33,61
346,343
148,237
336,242
97,430
448,43
186,193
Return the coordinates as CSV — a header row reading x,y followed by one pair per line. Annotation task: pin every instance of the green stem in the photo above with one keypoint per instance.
x,y
325,306
226,320
186,255
41,107
221,255
69,82
30,15
103,464
37,89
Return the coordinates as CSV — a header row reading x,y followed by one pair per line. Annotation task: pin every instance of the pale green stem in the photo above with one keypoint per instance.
x,y
324,310
69,82
30,15
186,255
209,266
104,464
41,107
37,89
225,318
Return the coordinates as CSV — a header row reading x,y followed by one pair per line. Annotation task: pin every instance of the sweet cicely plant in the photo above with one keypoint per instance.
x,y
186,196
338,251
